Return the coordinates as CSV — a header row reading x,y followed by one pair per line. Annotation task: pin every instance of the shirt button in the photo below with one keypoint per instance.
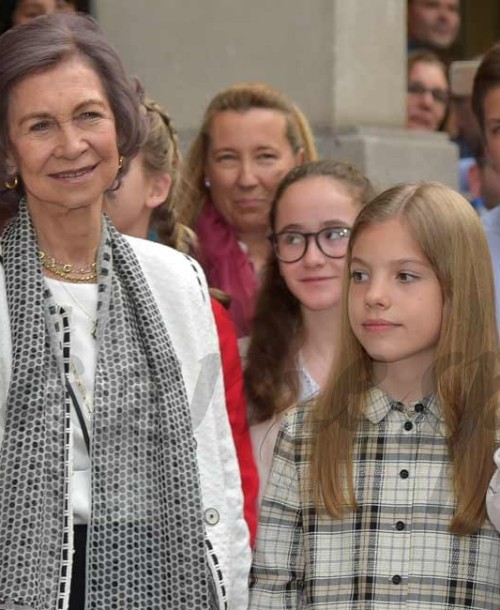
x,y
419,407
408,425
211,516
396,579
404,474
400,526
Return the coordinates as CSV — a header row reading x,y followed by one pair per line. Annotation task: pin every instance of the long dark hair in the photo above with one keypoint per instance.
x,y
271,375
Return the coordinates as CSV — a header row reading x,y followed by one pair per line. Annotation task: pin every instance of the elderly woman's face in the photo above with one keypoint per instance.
x,y
29,9
62,136
248,155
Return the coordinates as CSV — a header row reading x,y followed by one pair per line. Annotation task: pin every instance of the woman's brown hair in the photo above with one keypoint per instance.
x,y
466,358
271,376
240,98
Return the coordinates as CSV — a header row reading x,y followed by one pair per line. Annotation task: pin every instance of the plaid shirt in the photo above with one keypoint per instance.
x,y
396,550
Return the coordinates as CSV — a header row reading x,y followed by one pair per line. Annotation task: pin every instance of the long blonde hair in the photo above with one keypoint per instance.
x,y
466,360
241,98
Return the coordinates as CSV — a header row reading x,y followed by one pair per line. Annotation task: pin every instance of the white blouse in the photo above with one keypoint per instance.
x,y
493,495
264,434
80,302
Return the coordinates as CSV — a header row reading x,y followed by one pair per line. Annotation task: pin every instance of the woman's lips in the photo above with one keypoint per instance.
x,y
250,203
310,280
75,175
378,326
423,122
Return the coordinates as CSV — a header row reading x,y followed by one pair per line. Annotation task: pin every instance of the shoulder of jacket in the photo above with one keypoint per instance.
x,y
162,262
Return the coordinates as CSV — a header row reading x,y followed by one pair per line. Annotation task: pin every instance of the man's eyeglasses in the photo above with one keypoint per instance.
x,y
440,96
291,246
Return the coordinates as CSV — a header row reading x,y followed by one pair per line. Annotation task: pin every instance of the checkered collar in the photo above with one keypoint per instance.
x,y
378,405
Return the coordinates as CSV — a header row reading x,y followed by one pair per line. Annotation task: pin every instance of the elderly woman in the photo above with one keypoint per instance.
x,y
250,137
105,344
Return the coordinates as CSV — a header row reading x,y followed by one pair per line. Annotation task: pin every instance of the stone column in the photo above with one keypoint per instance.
x,y
342,61
369,91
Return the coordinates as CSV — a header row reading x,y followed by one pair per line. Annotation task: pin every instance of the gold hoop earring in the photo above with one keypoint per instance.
x,y
12,183
120,163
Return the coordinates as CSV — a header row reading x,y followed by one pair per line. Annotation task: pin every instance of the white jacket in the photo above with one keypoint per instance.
x,y
180,289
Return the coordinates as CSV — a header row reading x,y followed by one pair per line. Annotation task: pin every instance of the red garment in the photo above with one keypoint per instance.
x,y
227,267
237,412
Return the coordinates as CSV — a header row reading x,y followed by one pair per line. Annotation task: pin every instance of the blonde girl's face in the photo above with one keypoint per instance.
x,y
395,299
314,204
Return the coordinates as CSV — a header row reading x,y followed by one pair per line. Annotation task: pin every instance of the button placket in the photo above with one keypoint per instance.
x,y
409,433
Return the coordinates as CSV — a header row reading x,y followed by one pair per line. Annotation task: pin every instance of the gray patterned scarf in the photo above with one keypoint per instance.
x,y
145,536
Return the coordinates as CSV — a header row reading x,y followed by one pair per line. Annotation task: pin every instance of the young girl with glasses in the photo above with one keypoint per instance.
x,y
376,496
296,327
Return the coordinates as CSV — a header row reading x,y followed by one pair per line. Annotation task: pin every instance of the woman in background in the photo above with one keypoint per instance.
x,y
427,95
297,322
251,136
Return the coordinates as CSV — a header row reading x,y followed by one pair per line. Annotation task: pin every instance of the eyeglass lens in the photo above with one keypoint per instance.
x,y
291,246
438,95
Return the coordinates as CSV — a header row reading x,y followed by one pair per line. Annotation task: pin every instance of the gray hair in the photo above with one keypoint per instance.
x,y
49,40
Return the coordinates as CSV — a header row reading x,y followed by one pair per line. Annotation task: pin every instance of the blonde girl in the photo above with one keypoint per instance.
x,y
378,498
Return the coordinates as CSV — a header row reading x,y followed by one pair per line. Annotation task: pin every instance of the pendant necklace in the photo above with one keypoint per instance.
x,y
84,393
92,320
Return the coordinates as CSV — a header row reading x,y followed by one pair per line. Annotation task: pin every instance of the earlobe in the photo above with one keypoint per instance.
x,y
159,190
11,164
300,157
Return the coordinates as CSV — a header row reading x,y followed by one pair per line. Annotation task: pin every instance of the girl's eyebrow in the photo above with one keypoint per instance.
x,y
397,261
333,224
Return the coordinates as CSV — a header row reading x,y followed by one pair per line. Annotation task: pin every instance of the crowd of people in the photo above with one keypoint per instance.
x,y
243,379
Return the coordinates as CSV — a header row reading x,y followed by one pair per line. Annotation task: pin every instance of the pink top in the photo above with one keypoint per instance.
x,y
227,266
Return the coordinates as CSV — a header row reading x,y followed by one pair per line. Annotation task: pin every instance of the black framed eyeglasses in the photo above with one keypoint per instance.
x,y
441,96
291,246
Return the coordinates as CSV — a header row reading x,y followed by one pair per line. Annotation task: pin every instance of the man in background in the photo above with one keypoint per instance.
x,y
433,24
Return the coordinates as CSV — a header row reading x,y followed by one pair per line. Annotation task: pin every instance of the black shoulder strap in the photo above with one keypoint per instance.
x,y
79,413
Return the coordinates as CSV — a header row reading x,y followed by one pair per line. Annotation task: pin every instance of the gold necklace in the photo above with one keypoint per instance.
x,y
67,271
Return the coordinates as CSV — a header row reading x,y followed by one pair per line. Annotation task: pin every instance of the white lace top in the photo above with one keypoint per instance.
x,y
264,434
